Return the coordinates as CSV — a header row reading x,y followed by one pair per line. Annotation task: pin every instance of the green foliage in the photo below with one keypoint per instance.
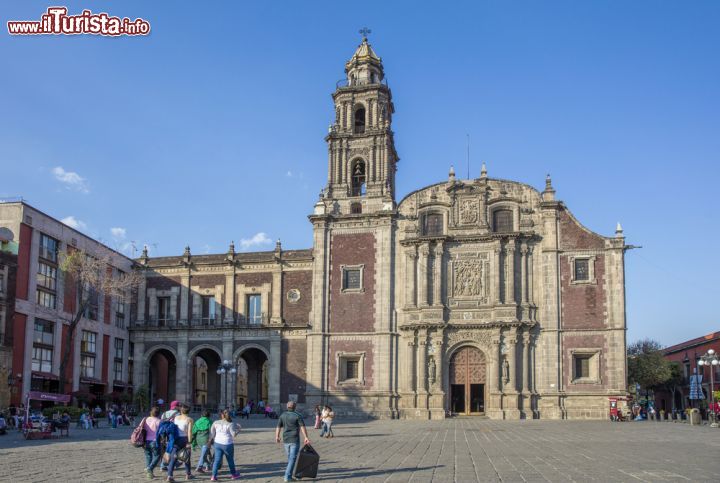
x,y
141,398
647,366
73,411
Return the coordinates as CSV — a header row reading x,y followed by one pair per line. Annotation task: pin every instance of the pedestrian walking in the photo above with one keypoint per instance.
x,y
318,416
184,424
291,424
222,435
200,439
169,415
328,416
152,449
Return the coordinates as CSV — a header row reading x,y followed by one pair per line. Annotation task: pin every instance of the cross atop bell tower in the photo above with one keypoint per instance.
x,y
362,164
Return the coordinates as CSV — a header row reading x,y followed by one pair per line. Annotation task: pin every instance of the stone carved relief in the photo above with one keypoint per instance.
x,y
469,278
478,336
468,211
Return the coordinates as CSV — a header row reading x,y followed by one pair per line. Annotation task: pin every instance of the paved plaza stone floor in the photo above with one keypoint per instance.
x,y
454,450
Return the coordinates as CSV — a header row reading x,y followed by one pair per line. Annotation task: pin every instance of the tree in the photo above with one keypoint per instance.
x,y
141,398
88,277
675,380
647,366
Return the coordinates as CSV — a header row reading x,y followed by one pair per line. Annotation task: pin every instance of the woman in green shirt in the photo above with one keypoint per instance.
x,y
200,437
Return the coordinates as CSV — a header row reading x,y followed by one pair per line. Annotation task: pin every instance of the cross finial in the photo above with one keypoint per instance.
x,y
364,32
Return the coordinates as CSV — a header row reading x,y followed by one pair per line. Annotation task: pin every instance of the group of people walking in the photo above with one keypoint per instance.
x,y
170,438
324,417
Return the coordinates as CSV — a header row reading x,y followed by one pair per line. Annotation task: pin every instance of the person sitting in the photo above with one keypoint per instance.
x,y
3,424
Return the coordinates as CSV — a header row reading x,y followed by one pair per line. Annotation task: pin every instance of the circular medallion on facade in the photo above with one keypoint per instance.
x,y
293,295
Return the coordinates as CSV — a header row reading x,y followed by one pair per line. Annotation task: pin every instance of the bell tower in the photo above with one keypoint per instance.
x,y
361,149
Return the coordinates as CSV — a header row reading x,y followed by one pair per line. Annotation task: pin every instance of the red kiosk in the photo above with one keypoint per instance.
x,y
38,429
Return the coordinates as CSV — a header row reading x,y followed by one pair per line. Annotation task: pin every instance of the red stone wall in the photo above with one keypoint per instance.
x,y
69,368
70,290
18,355
106,359
583,341
106,299
297,313
292,374
163,283
575,237
208,281
253,279
23,268
352,311
366,346
583,304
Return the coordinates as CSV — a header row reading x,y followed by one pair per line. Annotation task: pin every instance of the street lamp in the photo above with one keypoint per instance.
x,y
226,368
710,358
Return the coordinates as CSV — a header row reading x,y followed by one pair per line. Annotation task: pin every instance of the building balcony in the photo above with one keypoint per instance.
x,y
240,321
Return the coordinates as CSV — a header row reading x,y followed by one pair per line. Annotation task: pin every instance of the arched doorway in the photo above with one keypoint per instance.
x,y
253,383
205,390
467,381
162,367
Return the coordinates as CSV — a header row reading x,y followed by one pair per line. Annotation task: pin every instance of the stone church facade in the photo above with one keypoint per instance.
x,y
482,296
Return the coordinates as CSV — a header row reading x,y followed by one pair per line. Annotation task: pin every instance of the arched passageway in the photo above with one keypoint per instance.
x,y
252,378
205,389
162,368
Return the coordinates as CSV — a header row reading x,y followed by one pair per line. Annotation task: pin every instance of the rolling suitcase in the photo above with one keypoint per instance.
x,y
307,462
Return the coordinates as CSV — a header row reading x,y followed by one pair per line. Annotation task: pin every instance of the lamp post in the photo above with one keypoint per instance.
x,y
227,368
710,359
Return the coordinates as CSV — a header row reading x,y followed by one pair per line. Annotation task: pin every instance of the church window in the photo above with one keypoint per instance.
x,y
502,221
432,224
582,367
359,120
582,271
208,309
356,208
358,179
352,278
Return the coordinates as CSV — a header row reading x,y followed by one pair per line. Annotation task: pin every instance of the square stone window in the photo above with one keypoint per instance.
x,y
352,278
582,270
350,368
586,366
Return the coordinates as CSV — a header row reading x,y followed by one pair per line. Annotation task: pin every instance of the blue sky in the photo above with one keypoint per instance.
x,y
211,129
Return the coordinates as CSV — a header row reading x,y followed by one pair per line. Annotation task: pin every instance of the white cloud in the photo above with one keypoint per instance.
x,y
71,179
257,240
289,174
73,222
118,233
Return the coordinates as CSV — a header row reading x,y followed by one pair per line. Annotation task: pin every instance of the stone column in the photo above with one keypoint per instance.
x,y
530,274
510,271
421,381
229,297
184,296
423,275
523,273
495,378
437,274
407,379
411,277
497,271
276,317
181,371
274,371
526,362
141,300
139,368
512,359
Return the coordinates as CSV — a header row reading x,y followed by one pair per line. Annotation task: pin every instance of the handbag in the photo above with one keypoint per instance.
x,y
137,438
